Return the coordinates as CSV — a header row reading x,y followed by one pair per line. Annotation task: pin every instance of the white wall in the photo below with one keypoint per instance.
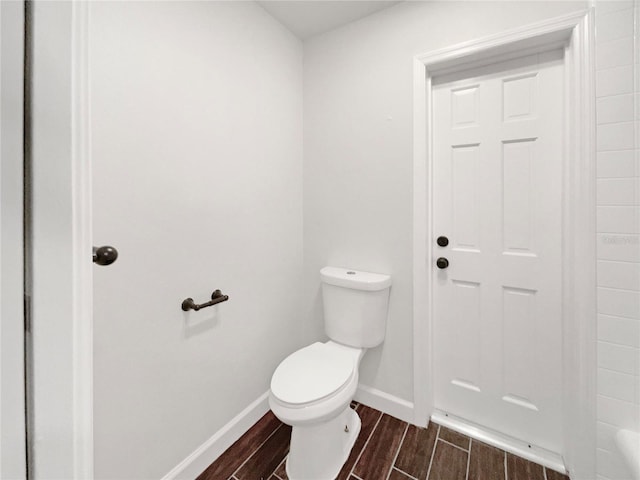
x,y
215,90
196,123
618,224
358,111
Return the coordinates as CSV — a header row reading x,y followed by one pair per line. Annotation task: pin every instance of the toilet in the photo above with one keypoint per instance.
x,y
312,388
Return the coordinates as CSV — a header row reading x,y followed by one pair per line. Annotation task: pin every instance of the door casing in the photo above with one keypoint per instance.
x,y
12,352
62,329
575,34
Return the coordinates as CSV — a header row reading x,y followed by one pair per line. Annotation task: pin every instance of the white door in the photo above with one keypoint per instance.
x,y
497,180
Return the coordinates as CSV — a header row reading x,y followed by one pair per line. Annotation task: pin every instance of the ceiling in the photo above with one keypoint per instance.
x,y
306,18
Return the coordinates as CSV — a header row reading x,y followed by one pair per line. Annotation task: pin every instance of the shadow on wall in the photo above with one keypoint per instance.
x,y
194,325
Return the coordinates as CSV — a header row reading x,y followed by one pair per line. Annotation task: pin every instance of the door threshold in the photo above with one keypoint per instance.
x,y
510,444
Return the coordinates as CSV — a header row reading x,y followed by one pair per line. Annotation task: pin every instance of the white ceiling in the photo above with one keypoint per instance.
x,y
306,18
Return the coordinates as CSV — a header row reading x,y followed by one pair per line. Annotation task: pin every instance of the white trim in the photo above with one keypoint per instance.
x,y
12,367
422,387
504,442
386,403
579,258
575,33
541,36
209,451
82,278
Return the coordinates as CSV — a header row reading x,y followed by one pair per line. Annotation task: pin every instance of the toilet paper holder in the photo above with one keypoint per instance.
x,y
216,297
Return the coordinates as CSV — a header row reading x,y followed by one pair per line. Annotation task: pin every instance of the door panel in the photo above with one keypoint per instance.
x,y
497,196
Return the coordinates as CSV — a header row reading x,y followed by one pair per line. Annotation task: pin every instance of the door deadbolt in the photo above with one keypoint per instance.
x,y
442,241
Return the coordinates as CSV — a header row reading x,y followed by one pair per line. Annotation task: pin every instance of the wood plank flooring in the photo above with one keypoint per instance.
x,y
386,449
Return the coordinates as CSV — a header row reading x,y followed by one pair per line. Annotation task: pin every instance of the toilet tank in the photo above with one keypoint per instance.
x,y
355,306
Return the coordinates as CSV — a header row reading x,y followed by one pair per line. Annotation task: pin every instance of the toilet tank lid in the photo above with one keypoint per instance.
x,y
357,280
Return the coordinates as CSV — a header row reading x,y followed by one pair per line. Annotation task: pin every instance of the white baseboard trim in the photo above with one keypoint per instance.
x,y
539,455
205,454
385,402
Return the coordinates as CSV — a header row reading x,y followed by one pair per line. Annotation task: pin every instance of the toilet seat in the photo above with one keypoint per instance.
x,y
312,374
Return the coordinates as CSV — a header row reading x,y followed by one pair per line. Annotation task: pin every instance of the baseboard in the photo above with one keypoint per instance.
x,y
385,402
205,454
517,447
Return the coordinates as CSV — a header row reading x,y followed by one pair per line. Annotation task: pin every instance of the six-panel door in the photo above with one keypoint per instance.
x,y
497,196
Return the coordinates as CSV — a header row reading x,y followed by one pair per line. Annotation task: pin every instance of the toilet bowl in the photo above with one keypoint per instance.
x,y
312,388
315,383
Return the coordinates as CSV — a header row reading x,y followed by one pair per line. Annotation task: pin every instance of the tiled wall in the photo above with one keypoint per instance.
x,y
618,223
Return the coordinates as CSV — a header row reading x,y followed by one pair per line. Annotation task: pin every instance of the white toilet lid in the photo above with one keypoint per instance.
x,y
311,373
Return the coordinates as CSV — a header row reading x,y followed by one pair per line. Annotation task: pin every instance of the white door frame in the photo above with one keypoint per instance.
x,y
62,282
82,242
575,34
12,391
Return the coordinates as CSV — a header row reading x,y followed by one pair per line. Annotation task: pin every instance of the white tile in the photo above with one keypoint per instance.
x,y
616,163
617,191
613,25
605,436
620,303
619,358
623,331
618,247
616,385
615,109
611,466
618,219
607,6
625,275
614,53
618,413
615,136
614,81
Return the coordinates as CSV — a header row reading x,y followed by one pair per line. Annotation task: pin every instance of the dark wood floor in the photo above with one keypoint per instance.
x,y
386,449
